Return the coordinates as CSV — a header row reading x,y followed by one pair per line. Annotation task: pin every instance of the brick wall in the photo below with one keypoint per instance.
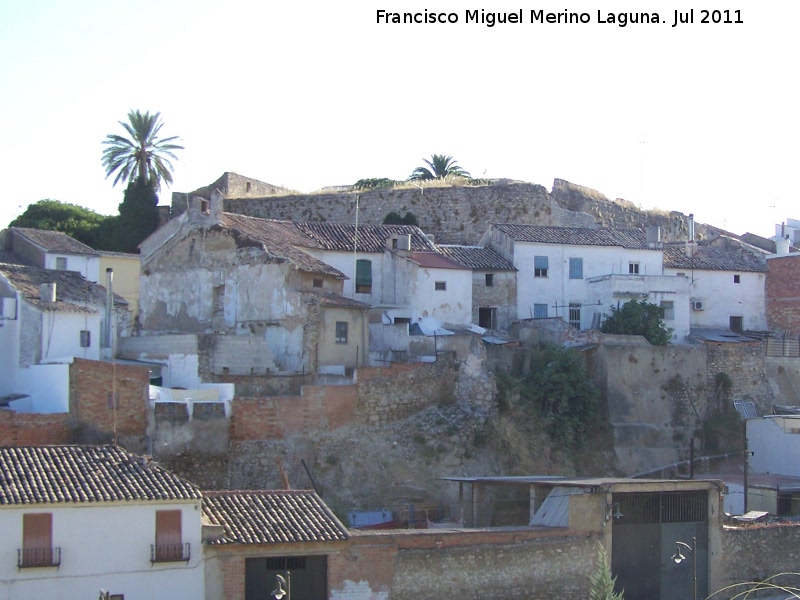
x,y
782,288
91,384
31,429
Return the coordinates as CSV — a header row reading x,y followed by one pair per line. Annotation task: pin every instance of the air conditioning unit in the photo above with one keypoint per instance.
x,y
697,305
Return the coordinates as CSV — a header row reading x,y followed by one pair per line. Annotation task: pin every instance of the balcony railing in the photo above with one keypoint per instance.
x,y
38,557
170,553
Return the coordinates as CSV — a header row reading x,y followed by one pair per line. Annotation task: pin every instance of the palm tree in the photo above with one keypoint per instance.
x,y
142,157
439,167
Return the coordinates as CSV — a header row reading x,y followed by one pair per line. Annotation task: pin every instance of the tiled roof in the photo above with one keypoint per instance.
x,y
80,474
434,260
476,257
73,292
272,517
709,258
371,238
576,236
9,258
55,241
282,239
335,300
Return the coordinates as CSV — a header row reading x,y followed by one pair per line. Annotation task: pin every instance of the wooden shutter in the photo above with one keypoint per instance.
x,y
168,535
37,539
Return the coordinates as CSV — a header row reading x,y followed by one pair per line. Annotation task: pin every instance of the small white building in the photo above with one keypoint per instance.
x,y
48,317
727,282
52,250
578,273
80,519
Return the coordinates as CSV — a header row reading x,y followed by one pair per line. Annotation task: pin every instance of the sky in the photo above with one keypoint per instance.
x,y
699,118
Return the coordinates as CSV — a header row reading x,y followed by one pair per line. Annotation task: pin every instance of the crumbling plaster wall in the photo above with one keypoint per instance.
x,y
206,282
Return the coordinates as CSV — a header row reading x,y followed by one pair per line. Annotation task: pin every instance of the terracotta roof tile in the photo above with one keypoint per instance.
x,y
55,241
576,236
335,300
271,517
709,258
476,257
282,239
371,238
78,474
73,292
435,260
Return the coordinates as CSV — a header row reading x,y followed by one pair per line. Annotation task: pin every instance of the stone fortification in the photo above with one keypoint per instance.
x,y
460,214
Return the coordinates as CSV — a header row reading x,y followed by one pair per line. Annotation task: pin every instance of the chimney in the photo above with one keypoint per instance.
x,y
47,292
691,244
109,304
653,235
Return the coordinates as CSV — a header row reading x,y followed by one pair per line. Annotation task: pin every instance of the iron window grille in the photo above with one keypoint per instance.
x,y
160,553
38,557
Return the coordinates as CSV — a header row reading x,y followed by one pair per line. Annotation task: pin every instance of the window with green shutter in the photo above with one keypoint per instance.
x,y
363,276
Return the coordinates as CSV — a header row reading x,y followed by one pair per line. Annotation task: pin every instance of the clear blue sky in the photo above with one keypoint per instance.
x,y
697,118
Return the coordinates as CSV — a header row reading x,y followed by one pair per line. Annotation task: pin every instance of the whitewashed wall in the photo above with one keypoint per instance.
x,y
557,288
102,546
61,338
775,443
722,298
452,305
88,266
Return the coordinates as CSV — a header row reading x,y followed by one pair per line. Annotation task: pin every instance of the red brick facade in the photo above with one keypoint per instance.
x,y
91,418
91,385
783,293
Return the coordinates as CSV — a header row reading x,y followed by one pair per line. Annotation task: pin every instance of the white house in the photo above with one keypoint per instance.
x,y
727,282
494,284
577,273
80,519
52,250
47,317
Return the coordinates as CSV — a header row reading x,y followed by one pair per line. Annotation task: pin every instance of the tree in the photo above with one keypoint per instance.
x,y
602,586
439,167
138,216
76,221
557,387
638,318
142,156
394,218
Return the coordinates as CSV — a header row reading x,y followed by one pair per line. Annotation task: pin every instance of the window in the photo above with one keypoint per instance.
x,y
317,283
86,338
633,268
169,544
341,332
363,276
737,324
540,311
575,315
440,286
737,279
61,263
37,542
667,310
540,266
576,268
487,317
489,279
